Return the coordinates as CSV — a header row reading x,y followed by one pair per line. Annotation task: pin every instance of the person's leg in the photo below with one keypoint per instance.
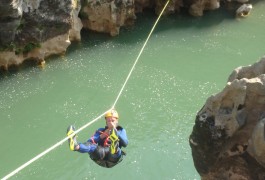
x,y
72,138
86,147
115,157
80,147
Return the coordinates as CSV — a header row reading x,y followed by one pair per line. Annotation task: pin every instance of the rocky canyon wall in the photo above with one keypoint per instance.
x,y
36,29
228,138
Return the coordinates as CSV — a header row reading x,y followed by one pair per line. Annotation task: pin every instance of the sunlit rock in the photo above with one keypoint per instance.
x,y
76,24
107,16
56,45
257,142
227,140
244,10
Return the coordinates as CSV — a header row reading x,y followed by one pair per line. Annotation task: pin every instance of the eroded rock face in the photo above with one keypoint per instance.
x,y
174,6
107,16
76,24
197,8
9,21
140,5
228,140
28,26
244,10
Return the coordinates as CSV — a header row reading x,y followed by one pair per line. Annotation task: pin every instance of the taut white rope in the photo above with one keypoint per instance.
x,y
94,120
140,53
49,149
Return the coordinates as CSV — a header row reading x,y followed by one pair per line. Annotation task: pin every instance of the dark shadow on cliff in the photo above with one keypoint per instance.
x,y
181,22
89,39
144,23
140,29
14,69
185,21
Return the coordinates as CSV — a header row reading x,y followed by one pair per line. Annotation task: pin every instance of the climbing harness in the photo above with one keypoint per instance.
x,y
94,120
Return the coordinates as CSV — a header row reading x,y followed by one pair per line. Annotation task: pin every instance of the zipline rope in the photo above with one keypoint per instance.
x,y
94,120
140,53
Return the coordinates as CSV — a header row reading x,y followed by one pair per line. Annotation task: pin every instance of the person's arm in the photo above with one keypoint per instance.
x,y
96,136
123,137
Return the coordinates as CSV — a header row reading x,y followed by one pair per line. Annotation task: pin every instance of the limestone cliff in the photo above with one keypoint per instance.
x,y
107,16
36,29
228,138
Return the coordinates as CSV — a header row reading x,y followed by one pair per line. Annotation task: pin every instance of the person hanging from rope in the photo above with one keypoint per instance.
x,y
104,147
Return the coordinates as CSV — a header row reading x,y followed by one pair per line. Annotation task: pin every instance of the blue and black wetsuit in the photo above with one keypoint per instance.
x,y
98,148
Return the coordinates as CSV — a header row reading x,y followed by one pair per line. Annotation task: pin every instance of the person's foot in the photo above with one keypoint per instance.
x,y
72,139
114,141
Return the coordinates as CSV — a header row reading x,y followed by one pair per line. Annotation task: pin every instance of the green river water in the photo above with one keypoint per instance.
x,y
185,61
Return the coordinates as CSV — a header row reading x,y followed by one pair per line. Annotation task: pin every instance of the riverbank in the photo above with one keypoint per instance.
x,y
36,30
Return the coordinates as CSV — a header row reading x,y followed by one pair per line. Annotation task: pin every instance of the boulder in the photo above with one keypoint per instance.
x,y
227,140
243,10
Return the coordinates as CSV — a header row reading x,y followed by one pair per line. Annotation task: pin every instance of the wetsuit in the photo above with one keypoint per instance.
x,y
98,148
